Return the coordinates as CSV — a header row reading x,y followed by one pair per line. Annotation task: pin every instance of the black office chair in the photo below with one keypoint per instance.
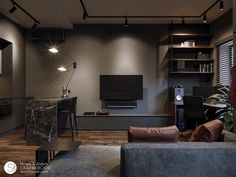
x,y
194,111
69,110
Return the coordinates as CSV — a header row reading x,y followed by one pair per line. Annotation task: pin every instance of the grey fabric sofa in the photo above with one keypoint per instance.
x,y
180,159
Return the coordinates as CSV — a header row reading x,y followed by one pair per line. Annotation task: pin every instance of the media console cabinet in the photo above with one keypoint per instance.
x,y
122,121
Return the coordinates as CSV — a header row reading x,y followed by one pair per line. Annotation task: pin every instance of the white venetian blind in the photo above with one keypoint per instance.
x,y
225,62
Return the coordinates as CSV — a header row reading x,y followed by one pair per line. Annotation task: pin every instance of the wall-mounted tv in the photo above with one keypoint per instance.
x,y
121,87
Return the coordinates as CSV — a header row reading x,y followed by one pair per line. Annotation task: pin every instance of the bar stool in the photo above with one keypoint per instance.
x,y
69,110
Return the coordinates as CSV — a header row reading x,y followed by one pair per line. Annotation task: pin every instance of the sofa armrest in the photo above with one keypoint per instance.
x,y
229,136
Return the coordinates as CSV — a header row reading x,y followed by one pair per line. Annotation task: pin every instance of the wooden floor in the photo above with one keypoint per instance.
x,y
13,146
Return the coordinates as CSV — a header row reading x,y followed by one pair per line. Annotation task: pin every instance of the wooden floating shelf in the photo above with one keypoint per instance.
x,y
186,47
190,35
187,36
192,59
190,72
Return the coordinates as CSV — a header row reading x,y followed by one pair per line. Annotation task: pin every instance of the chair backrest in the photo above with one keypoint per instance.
x,y
193,107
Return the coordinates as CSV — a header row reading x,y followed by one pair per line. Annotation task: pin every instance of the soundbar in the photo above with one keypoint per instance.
x,y
120,104
123,106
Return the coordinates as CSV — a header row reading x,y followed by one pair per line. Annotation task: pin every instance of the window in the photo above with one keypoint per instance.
x,y
225,62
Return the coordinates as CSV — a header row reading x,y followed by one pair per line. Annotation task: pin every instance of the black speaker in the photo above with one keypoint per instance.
x,y
176,94
180,119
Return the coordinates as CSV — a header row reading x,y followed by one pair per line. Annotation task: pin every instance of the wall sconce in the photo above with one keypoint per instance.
x,y
65,88
63,68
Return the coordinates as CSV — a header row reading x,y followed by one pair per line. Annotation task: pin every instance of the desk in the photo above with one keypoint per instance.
x,y
179,115
41,119
217,106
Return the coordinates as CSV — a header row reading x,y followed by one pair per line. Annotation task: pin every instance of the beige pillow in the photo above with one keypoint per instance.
x,y
153,134
208,132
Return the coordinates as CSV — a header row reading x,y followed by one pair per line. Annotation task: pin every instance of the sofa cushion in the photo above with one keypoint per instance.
x,y
178,159
208,132
153,134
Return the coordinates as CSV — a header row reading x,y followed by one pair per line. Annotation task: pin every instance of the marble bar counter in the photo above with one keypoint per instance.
x,y
41,119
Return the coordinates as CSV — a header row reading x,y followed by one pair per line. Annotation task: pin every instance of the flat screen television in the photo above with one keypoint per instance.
x,y
121,87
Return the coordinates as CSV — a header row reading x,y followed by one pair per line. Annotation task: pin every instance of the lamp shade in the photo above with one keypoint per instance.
x,y
61,68
53,50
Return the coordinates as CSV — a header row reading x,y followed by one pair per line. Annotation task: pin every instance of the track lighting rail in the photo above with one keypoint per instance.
x,y
144,16
36,22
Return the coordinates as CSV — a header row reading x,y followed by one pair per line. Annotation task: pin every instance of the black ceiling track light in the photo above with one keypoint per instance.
x,y
126,22
84,16
221,5
34,25
155,16
15,6
183,21
13,9
204,18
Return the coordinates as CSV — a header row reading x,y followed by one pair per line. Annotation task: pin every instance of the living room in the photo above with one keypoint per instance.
x,y
68,53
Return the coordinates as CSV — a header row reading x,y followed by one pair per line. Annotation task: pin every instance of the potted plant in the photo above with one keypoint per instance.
x,y
225,114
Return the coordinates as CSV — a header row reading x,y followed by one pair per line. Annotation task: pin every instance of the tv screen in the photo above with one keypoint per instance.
x,y
121,87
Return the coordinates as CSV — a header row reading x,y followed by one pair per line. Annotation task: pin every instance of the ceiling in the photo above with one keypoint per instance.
x,y
65,13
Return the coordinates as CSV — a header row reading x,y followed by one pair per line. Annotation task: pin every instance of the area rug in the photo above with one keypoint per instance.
x,y
86,161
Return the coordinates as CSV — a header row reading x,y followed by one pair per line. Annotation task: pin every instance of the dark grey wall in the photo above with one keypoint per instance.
x,y
110,49
14,34
6,76
222,30
101,49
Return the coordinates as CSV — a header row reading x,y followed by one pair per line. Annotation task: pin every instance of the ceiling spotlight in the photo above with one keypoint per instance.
x,y
35,25
204,18
74,65
13,9
126,22
53,50
61,68
221,5
183,21
84,16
